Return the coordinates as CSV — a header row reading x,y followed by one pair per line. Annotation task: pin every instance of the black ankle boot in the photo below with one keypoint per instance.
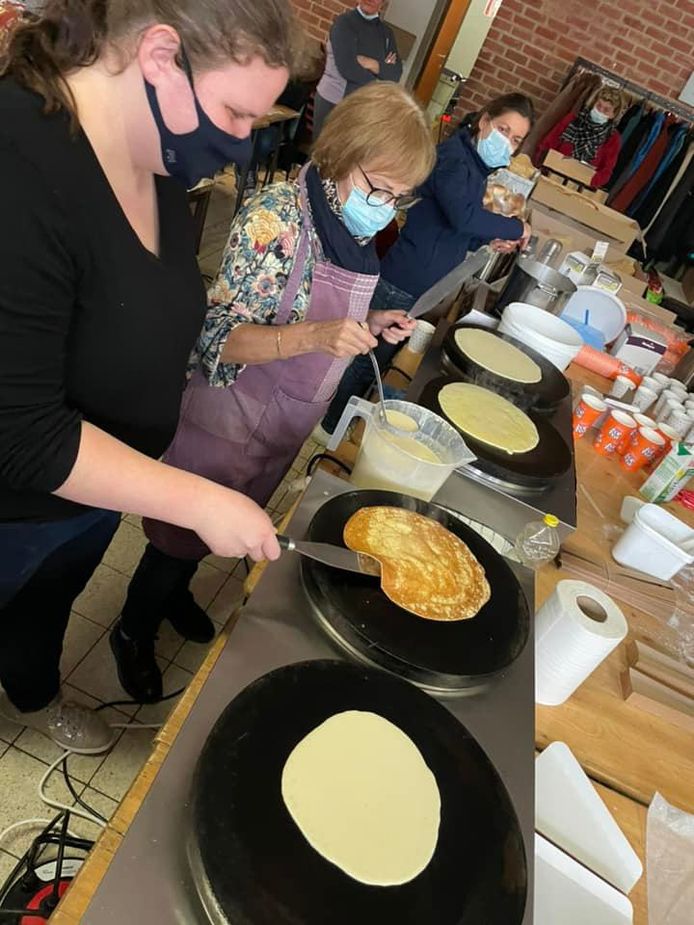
x,y
189,619
138,671
158,591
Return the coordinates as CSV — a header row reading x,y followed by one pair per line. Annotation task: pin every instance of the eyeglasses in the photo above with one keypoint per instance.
x,y
377,197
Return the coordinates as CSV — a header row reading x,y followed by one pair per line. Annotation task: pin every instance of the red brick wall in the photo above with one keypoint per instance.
x,y
533,43
317,15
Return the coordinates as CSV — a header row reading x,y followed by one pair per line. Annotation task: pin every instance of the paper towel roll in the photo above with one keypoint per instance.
x,y
575,629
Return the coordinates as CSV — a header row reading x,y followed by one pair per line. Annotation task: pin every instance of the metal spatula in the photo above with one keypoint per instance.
x,y
334,556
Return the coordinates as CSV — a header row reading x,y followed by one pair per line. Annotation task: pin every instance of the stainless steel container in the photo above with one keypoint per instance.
x,y
536,284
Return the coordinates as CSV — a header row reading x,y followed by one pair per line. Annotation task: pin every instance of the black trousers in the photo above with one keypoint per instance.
x,y
160,583
51,565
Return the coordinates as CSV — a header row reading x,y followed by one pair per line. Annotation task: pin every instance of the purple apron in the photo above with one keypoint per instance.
x,y
246,436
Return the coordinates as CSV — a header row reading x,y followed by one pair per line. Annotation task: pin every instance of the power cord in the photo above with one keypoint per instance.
x,y
319,457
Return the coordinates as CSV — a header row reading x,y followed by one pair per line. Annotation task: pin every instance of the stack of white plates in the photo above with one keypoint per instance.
x,y
553,338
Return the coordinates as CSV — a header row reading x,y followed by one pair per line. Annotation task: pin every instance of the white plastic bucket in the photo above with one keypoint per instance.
x,y
653,543
553,338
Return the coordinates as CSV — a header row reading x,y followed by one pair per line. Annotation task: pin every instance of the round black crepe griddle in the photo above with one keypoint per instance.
x,y
260,870
543,396
437,655
536,469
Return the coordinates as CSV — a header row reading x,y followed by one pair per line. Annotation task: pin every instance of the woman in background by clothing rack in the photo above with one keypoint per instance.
x,y
590,135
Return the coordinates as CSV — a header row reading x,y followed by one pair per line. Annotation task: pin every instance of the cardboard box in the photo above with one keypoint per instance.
x,y
633,285
569,167
570,234
639,348
592,215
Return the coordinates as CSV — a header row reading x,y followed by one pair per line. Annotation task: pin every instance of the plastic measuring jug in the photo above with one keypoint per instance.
x,y
415,461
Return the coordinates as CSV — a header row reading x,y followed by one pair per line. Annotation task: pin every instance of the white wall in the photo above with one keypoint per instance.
x,y
414,16
470,39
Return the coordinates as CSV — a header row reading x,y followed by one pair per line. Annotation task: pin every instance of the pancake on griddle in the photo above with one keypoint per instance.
x,y
425,568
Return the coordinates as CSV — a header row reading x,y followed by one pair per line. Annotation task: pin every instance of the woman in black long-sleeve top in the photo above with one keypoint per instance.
x,y
103,123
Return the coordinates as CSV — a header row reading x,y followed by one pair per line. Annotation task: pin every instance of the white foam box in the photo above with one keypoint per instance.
x,y
566,893
570,813
639,348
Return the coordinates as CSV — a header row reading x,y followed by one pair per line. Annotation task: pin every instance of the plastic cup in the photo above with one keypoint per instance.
x,y
663,380
586,413
617,426
421,337
621,387
671,438
644,446
680,422
644,421
644,398
653,384
667,408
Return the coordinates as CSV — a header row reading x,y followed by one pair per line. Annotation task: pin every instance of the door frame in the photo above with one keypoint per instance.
x,y
448,28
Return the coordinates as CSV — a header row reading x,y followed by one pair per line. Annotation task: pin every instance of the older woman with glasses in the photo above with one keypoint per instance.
x,y
288,311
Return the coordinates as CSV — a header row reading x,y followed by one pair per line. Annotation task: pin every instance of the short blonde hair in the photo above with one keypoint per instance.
x,y
381,125
610,95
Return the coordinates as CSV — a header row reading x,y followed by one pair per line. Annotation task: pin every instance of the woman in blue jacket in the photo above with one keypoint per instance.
x,y
449,221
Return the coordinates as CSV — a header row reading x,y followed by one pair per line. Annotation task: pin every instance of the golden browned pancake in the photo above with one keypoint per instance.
x,y
425,568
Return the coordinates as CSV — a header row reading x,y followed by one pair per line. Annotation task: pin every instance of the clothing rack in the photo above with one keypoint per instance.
x,y
684,112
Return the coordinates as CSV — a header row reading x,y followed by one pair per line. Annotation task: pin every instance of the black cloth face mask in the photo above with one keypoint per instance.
x,y
191,156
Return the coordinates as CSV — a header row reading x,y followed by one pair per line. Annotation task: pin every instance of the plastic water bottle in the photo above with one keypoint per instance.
x,y
538,543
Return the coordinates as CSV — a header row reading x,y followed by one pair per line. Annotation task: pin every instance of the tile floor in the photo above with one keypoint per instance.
x,y
87,665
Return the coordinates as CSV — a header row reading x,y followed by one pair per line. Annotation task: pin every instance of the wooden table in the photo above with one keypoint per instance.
x,y
274,116
628,754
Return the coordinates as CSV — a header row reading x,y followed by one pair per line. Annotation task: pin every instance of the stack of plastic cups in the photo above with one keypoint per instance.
x,y
680,421
665,405
663,380
644,397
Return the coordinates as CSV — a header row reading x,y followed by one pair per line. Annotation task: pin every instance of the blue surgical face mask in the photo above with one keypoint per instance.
x,y
598,117
201,153
361,218
494,150
367,15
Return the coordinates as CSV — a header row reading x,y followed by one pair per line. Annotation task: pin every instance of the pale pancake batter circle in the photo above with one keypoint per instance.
x,y
488,418
499,357
362,795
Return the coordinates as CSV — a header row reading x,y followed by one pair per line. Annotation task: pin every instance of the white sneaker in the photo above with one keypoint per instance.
x,y
69,725
320,435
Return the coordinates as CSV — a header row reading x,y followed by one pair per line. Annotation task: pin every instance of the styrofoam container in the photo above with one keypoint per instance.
x,y
546,333
571,814
567,893
630,506
653,543
605,311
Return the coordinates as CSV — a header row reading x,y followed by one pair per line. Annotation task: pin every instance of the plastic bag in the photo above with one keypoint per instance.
x,y
669,864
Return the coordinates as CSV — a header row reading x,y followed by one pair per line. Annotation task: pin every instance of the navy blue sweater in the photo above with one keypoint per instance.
x,y
448,222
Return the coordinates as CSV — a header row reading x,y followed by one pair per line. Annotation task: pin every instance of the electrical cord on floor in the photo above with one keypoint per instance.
x,y
314,460
136,703
76,797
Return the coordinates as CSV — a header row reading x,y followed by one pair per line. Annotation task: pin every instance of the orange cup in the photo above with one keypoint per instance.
x,y
586,413
618,427
645,445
